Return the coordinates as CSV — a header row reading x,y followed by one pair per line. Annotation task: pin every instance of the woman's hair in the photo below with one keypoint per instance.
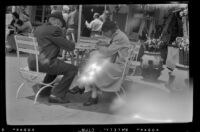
x,y
25,16
16,15
109,25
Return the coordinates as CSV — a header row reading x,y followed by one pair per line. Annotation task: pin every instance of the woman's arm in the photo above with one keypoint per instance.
x,y
11,25
116,45
109,51
21,28
112,49
89,25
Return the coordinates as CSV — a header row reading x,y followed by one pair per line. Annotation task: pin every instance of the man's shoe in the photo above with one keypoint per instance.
x,y
76,90
91,101
54,99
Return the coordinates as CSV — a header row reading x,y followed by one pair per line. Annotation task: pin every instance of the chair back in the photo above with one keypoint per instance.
x,y
127,62
86,43
27,44
136,49
132,53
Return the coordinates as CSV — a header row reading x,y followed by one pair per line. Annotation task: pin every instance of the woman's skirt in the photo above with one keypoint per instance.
x,y
107,76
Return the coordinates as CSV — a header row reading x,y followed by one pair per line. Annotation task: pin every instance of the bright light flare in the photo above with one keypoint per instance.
x,y
90,73
95,64
137,116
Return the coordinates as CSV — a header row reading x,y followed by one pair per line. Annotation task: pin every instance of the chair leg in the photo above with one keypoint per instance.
x,y
72,58
63,54
19,89
36,96
124,92
118,95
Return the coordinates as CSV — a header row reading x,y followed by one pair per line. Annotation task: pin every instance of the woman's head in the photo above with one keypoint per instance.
x,y
108,28
25,17
15,15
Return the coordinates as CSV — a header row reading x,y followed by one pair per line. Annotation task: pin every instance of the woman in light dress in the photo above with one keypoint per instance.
x,y
105,65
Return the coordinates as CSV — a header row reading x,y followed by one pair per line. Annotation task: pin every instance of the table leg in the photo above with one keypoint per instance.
x,y
77,58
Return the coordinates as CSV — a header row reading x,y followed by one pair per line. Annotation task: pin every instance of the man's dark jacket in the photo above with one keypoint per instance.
x,y
50,40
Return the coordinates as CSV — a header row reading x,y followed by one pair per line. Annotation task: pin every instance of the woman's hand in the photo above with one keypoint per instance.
x,y
101,43
99,47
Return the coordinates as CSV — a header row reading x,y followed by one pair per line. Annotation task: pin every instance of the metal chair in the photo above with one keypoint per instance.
x,y
134,57
28,44
125,71
121,89
132,53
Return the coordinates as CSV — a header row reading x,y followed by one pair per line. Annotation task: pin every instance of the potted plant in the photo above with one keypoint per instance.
x,y
151,61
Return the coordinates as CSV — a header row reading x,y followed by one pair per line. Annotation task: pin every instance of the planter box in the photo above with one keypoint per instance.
x,y
184,57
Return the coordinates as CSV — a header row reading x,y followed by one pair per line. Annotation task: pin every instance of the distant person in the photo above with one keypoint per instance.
x,y
8,21
26,27
72,23
95,25
13,27
54,9
106,16
65,13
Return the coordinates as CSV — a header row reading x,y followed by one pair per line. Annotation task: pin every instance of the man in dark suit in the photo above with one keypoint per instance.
x,y
51,39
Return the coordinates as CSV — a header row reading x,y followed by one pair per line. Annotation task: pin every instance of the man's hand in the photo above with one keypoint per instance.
x,y
11,27
86,22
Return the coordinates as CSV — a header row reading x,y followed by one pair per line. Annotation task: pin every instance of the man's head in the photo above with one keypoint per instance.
x,y
56,19
96,15
108,28
66,9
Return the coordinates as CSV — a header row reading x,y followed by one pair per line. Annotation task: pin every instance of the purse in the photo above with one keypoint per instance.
x,y
114,57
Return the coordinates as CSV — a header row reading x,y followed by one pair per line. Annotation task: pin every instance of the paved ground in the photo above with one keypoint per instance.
x,y
147,102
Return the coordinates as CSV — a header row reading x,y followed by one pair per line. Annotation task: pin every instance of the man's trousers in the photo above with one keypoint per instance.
x,y
54,68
